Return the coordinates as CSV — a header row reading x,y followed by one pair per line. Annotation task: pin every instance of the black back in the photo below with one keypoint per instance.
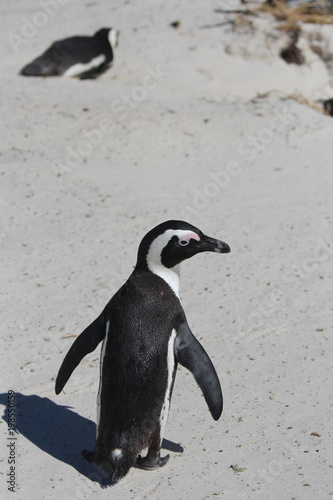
x,y
135,361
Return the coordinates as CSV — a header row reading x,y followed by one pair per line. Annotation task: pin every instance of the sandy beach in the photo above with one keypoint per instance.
x,y
202,122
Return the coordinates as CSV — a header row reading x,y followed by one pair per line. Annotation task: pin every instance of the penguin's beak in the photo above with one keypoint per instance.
x,y
208,244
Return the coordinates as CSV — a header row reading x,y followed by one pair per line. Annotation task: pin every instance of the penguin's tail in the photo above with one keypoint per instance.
x,y
121,463
116,458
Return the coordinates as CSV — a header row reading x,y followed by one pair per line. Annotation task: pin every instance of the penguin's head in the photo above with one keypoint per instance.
x,y
173,241
111,34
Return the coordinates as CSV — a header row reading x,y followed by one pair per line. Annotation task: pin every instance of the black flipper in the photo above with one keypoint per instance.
x,y
83,345
190,353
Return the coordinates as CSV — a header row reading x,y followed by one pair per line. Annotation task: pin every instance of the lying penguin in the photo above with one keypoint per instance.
x,y
145,334
80,56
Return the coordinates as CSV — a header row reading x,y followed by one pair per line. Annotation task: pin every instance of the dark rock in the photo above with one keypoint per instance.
x,y
293,55
328,107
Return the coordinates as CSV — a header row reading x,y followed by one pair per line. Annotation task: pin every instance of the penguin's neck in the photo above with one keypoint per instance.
x,y
170,275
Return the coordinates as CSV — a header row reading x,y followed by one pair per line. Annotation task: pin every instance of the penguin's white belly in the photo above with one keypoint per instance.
x,y
79,68
171,368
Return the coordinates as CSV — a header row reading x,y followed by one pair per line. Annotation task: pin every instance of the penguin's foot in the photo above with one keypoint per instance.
x,y
151,462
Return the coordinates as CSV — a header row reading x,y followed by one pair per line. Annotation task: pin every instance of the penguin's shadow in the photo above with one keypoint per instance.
x,y
60,432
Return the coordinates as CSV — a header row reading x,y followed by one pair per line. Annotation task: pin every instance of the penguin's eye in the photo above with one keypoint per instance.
x,y
183,243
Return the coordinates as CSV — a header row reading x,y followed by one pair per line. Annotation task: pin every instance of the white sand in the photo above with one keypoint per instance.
x,y
196,145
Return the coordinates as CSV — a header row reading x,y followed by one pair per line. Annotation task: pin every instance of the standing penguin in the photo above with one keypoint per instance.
x,y
145,333
80,56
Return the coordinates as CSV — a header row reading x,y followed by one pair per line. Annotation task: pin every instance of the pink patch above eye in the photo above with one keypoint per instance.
x,y
190,236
